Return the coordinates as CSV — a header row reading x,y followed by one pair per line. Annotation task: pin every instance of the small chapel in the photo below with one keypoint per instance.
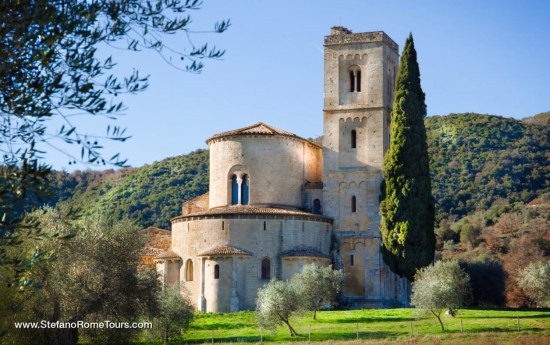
x,y
277,201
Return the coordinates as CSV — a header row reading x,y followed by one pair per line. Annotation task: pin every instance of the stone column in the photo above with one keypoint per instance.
x,y
234,297
239,182
201,304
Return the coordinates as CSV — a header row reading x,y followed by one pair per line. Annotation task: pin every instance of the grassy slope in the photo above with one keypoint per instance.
x,y
379,325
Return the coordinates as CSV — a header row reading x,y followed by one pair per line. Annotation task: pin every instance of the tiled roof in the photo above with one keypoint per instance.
x,y
304,252
259,128
152,251
167,254
252,210
224,250
154,228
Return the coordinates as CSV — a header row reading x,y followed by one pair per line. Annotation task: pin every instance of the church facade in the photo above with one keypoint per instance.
x,y
277,202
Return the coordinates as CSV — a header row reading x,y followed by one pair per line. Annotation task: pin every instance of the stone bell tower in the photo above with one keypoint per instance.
x,y
359,77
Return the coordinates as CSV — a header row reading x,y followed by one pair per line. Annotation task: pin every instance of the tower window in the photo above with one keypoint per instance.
x,y
265,226
353,204
353,139
317,206
234,190
355,79
217,272
189,270
244,190
351,260
266,268
223,225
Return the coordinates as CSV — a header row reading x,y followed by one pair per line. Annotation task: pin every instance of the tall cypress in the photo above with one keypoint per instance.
x,y
406,204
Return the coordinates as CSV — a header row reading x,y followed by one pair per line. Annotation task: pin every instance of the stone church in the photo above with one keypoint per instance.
x,y
277,202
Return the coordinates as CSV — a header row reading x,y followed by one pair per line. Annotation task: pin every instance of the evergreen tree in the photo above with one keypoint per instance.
x,y
407,205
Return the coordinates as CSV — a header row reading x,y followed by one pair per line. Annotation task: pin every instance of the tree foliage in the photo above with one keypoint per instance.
x,y
319,286
150,195
92,276
175,312
51,75
440,287
277,301
535,281
407,206
477,160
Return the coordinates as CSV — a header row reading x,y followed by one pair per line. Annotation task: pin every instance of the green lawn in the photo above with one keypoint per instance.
x,y
382,325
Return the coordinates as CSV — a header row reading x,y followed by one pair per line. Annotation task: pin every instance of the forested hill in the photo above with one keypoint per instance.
x,y
475,160
151,195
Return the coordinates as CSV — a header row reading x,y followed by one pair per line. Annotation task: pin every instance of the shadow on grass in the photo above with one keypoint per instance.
x,y
367,320
220,325
363,335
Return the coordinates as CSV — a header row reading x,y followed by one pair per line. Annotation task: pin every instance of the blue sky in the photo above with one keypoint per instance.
x,y
475,56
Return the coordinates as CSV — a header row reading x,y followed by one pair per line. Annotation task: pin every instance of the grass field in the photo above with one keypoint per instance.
x,y
380,326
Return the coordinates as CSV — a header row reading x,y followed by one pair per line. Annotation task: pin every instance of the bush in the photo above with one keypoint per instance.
x,y
535,282
442,286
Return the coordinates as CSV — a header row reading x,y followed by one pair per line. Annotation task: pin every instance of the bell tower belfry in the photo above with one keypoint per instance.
x,y
359,78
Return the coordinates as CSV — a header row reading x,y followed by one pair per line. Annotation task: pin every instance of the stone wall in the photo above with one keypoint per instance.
x,y
260,236
360,72
277,167
198,204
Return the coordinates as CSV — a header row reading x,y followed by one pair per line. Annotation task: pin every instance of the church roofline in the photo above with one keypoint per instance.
x,y
246,211
259,128
225,250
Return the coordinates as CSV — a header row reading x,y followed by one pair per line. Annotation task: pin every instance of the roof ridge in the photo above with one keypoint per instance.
x,y
259,128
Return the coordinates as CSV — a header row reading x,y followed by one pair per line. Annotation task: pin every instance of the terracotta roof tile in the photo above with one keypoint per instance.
x,y
152,251
252,210
224,250
167,254
259,128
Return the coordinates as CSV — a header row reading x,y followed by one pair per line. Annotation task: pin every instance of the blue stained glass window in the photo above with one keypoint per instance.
x,y
234,191
244,191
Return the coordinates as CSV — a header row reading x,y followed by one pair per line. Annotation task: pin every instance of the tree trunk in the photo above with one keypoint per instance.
x,y
438,315
291,329
314,314
66,336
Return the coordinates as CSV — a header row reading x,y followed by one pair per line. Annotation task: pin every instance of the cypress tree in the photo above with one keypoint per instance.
x,y
406,204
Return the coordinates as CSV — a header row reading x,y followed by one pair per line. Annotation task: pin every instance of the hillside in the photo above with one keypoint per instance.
x,y
478,159
151,195
475,160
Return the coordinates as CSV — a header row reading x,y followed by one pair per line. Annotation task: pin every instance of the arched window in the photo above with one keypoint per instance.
x,y
217,272
317,206
353,139
244,190
354,79
189,270
353,204
266,268
351,260
234,190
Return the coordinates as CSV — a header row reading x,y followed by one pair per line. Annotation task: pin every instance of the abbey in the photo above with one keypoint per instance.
x,y
277,202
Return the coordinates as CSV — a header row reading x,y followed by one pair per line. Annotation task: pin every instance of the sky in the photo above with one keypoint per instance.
x,y
490,57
